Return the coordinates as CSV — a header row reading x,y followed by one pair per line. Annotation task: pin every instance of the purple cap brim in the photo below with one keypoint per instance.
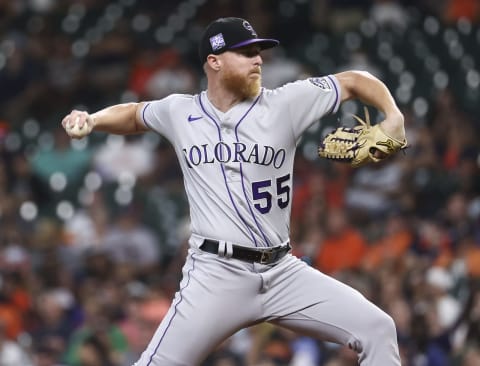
x,y
264,43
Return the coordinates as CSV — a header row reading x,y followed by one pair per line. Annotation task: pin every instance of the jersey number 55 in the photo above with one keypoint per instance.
x,y
263,197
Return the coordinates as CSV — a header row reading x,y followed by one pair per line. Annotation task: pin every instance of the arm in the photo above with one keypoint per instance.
x,y
370,90
121,119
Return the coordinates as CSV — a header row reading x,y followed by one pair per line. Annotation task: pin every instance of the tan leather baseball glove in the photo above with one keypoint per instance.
x,y
359,145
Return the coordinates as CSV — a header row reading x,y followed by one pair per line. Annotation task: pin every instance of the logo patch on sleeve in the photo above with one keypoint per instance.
x,y
322,83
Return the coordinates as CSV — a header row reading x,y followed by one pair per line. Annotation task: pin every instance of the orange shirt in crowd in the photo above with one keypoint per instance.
x,y
13,311
472,261
343,251
387,248
11,320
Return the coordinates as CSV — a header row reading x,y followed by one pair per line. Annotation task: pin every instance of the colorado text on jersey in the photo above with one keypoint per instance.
x,y
236,152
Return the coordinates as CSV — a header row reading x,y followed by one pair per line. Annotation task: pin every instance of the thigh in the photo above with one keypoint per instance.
x,y
312,303
215,300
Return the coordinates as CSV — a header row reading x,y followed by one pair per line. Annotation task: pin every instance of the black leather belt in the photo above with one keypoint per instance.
x,y
258,255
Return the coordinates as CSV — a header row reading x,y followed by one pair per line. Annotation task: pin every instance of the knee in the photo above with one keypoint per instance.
x,y
384,324
380,327
377,344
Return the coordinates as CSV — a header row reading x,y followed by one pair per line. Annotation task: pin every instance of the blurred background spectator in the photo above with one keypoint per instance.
x,y
93,233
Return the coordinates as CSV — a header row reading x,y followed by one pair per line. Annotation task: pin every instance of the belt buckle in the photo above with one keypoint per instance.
x,y
266,256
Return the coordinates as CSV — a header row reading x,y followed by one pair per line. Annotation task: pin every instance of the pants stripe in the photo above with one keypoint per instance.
x,y
175,312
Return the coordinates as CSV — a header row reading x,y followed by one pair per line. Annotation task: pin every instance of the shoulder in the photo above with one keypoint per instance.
x,y
316,84
170,100
287,88
179,98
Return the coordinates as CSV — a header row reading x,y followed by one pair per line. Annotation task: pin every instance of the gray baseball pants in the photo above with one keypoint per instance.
x,y
219,296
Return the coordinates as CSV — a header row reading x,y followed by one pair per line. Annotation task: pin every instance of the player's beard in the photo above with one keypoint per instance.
x,y
245,87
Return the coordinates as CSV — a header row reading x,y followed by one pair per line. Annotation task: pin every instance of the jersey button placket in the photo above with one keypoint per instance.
x,y
230,167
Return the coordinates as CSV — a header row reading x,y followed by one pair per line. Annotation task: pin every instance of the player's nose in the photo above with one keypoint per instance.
x,y
258,61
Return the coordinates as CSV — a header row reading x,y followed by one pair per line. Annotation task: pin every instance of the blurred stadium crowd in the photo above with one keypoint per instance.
x,y
93,232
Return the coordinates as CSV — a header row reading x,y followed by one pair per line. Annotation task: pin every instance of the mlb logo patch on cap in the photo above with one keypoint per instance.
x,y
217,42
230,33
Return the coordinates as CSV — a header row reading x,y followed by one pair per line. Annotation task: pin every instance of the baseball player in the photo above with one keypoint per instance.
x,y
235,143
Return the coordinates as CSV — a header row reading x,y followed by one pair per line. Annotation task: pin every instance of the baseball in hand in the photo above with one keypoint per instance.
x,y
76,131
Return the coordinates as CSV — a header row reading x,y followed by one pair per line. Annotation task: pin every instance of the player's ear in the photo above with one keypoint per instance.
x,y
214,62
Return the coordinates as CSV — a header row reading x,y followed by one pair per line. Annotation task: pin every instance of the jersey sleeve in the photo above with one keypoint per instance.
x,y
156,115
310,99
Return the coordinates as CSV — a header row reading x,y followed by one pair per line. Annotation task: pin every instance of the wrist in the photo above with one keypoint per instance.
x,y
393,125
394,114
93,120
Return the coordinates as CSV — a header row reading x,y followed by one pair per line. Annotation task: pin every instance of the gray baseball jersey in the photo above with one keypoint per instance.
x,y
237,169
238,165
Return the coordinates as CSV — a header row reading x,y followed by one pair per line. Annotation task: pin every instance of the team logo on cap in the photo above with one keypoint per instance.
x,y
248,27
217,42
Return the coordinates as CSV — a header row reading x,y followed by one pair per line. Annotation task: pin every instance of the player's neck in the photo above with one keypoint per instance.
x,y
222,99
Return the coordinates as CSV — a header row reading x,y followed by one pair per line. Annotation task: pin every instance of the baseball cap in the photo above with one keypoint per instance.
x,y
229,33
